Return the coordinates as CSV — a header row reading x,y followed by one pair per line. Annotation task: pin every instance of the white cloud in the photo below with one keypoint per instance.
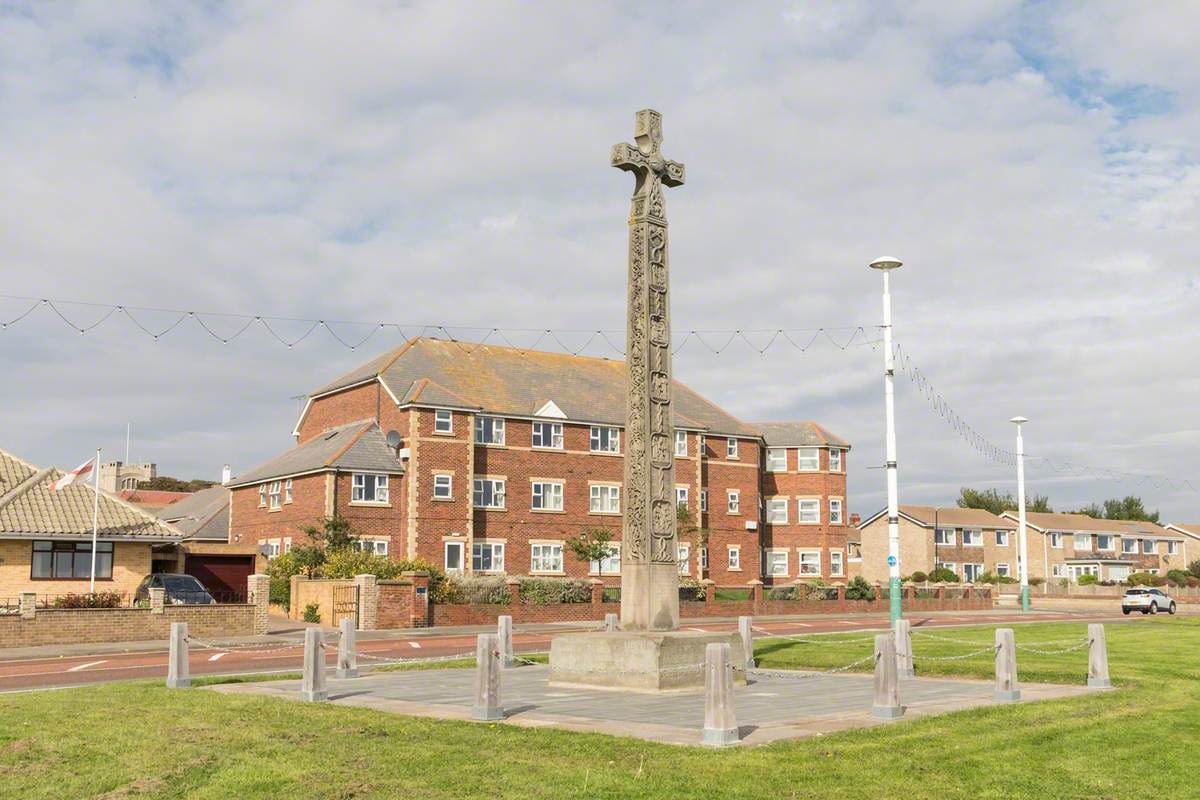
x,y
1036,167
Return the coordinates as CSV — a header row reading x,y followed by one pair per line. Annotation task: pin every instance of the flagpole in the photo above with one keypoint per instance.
x,y
95,521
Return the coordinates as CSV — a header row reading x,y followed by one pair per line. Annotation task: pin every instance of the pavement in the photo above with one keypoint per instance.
x,y
58,666
772,706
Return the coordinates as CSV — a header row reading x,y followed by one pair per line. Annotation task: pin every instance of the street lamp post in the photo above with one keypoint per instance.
x,y
1022,545
886,265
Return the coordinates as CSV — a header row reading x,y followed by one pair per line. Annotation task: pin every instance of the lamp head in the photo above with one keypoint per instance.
x,y
1018,420
886,263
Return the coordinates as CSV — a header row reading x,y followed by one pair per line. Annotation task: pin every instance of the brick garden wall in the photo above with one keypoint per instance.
x,y
93,625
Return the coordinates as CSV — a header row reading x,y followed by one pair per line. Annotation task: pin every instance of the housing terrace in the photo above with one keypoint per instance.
x,y
519,383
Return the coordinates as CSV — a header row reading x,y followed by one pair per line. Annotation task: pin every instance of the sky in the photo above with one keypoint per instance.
x,y
1035,165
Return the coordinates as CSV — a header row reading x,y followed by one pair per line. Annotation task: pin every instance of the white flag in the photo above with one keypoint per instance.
x,y
79,472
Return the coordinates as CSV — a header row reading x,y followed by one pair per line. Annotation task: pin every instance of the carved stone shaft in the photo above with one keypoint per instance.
x,y
649,552
720,722
1006,666
178,675
887,685
1097,657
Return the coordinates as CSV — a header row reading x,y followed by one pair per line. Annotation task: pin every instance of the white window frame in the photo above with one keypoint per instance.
x,y
1002,537
543,556
555,496
547,431
377,546
733,558
683,556
1003,570
774,454
443,421
703,557
947,537
287,491
950,565
497,425
1150,547
771,563
808,459
597,434
837,564
975,567
704,500
808,511
835,460
446,548
681,444
1101,538
496,555
733,501
479,492
358,488
1172,548
1126,541
275,495
1056,540
805,566
611,563
681,496
443,486
835,511
273,548
262,495
777,510
1087,539
731,447
972,537
604,498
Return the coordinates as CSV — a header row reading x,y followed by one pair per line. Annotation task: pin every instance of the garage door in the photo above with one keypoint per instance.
x,y
223,576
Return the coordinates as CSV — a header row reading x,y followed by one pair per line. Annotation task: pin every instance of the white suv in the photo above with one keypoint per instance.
x,y
1147,601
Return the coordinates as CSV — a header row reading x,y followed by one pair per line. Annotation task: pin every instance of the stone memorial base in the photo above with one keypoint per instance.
x,y
642,661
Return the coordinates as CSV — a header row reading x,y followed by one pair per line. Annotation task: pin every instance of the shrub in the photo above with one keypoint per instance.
x,y
312,612
795,592
1138,579
1158,580
1007,579
988,577
1194,567
859,589
690,590
919,577
1088,580
540,591
943,575
97,600
347,563
477,589
1178,577
1036,581
281,569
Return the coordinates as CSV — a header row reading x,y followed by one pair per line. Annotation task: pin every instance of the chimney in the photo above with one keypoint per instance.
x,y
855,519
225,475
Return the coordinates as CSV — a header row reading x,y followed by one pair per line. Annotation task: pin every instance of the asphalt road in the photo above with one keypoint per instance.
x,y
22,674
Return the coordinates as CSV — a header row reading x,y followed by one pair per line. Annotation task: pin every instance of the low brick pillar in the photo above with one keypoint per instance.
x,y
294,596
258,594
514,590
368,601
756,592
28,605
157,600
421,617
597,591
710,589
967,592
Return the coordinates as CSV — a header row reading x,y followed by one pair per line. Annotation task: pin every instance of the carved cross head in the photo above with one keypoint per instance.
x,y
645,159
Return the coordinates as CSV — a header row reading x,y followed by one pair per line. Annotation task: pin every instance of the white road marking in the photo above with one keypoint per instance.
x,y
217,656
80,667
845,622
415,645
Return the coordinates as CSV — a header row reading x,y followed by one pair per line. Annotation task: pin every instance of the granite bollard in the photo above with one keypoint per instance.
x,y
504,633
347,662
904,653
178,676
720,722
487,678
887,689
1097,657
746,629
312,684
1006,666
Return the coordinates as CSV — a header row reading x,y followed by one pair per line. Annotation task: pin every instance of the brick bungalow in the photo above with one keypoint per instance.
x,y
46,536
504,454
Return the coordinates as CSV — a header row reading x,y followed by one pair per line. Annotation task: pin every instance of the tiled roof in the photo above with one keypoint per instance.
x,y
507,380
151,498
953,516
33,508
356,446
1189,528
798,434
202,515
1066,522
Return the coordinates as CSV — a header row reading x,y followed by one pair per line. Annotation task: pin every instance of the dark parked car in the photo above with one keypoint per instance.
x,y
180,589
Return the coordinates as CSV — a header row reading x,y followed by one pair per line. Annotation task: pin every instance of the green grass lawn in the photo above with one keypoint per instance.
x,y
141,740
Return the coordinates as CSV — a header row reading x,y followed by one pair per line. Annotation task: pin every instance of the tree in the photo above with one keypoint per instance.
x,y
1093,510
1128,507
307,558
594,544
335,533
991,500
166,483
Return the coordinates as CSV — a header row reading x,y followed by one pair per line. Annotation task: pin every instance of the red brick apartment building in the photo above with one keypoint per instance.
x,y
504,454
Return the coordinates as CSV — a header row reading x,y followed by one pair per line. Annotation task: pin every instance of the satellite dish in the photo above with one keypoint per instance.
x,y
394,440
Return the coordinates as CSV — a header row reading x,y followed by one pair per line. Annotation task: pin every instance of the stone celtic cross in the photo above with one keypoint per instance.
x,y
649,552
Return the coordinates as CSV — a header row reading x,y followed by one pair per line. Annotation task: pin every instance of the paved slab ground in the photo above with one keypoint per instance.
x,y
772,706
